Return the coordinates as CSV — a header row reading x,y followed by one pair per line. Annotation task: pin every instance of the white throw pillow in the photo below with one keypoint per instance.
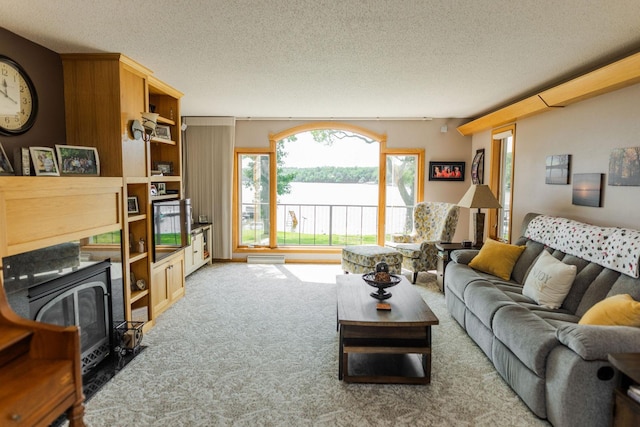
x,y
549,281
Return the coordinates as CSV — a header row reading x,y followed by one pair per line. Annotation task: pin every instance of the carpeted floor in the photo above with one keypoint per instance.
x,y
257,344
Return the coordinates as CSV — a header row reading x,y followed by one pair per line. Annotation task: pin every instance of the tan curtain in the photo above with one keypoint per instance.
x,y
208,158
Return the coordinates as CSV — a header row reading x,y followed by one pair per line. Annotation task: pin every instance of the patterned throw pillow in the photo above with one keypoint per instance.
x,y
549,281
497,258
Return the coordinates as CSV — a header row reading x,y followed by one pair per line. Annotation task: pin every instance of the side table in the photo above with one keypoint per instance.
x,y
626,411
444,256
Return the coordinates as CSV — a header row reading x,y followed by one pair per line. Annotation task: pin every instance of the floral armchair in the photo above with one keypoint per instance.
x,y
433,222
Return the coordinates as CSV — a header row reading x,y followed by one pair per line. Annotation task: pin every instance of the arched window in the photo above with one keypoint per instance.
x,y
326,184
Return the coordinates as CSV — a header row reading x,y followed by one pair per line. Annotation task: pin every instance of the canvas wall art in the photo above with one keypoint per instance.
x,y
624,166
587,189
558,169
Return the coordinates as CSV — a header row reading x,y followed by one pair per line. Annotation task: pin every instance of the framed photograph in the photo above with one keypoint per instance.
x,y
132,205
44,161
446,171
25,161
558,169
477,168
166,168
5,164
624,166
587,189
76,160
163,132
162,188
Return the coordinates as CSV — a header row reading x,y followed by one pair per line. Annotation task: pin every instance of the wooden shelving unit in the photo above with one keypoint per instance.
x,y
104,93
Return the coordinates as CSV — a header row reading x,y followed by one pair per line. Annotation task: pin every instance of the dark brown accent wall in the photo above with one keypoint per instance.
x,y
44,66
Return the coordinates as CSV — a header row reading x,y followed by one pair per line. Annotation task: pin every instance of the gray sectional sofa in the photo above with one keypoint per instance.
x,y
558,367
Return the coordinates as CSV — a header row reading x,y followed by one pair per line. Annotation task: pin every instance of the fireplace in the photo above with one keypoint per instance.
x,y
80,298
77,283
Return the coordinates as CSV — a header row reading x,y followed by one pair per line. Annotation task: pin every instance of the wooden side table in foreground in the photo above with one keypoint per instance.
x,y
626,411
379,346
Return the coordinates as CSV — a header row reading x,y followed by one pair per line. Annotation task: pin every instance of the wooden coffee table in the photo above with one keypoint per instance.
x,y
383,346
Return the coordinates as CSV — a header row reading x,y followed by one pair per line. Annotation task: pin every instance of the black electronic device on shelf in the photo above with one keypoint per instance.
x,y
171,227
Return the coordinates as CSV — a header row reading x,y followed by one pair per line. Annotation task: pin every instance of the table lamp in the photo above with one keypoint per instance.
x,y
479,196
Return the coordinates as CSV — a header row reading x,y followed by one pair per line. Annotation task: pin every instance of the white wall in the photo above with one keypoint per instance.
x,y
438,146
587,130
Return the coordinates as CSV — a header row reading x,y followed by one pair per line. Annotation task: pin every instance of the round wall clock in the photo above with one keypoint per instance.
x,y
18,99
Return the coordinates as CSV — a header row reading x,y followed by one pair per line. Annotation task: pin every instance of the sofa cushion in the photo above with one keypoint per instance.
x,y
464,256
618,310
527,258
528,336
497,258
483,299
549,281
594,342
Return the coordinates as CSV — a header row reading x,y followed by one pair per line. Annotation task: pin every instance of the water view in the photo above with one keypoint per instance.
x,y
341,208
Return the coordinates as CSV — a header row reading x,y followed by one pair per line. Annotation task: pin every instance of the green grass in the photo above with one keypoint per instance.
x,y
302,239
106,238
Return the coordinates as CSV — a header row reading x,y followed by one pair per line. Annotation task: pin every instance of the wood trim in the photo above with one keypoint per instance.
x,y
608,78
158,87
611,77
519,110
494,177
382,192
380,137
273,195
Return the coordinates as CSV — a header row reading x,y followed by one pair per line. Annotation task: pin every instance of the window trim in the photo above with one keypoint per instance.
x,y
495,181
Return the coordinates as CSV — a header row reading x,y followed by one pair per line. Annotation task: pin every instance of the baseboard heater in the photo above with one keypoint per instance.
x,y
265,259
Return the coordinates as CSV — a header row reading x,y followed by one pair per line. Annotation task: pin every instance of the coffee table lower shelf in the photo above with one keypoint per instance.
x,y
385,361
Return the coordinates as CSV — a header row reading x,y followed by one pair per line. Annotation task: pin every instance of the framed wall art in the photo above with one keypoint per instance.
x,y
76,160
558,169
446,171
587,189
163,132
165,168
5,164
23,158
162,188
44,161
477,168
132,205
624,166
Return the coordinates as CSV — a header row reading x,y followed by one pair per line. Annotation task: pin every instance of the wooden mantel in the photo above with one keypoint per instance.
x,y
36,212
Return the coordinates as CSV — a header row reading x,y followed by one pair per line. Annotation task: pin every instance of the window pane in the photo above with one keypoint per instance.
x,y
401,193
254,199
327,189
505,189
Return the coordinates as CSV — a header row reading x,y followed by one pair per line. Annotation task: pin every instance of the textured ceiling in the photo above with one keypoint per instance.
x,y
349,58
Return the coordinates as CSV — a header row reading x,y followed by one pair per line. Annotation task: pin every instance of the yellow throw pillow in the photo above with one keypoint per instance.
x,y
618,310
497,258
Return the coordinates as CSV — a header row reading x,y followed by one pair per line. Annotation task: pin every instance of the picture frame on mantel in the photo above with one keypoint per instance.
x,y
446,171
5,164
76,160
44,161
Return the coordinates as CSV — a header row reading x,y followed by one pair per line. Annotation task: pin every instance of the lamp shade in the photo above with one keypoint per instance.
x,y
479,196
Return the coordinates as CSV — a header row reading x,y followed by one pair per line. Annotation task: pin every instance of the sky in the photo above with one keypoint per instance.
x,y
305,153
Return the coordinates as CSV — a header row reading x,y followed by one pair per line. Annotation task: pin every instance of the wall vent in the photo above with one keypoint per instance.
x,y
265,259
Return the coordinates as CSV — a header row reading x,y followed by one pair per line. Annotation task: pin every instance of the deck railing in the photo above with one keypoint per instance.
x,y
322,225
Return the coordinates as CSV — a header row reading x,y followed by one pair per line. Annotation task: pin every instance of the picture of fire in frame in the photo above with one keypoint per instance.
x,y
446,171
